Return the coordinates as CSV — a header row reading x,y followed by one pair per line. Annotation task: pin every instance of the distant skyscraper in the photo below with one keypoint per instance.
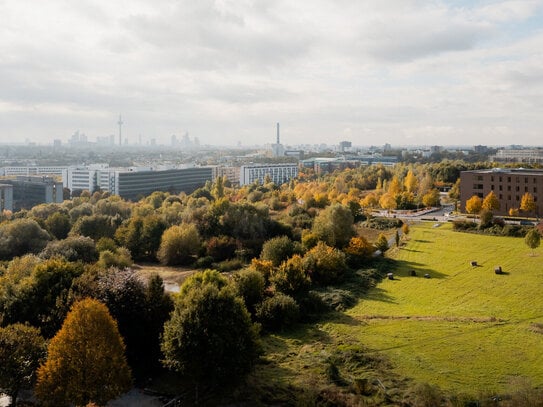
x,y
277,148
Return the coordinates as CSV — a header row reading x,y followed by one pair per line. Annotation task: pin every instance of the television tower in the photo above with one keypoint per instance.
x,y
120,123
278,134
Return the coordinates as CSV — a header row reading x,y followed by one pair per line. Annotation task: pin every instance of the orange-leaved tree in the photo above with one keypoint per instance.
x,y
86,361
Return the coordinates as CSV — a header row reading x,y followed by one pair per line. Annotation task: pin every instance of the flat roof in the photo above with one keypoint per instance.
x,y
516,171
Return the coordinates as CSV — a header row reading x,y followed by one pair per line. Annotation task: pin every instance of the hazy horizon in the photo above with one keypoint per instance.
x,y
404,72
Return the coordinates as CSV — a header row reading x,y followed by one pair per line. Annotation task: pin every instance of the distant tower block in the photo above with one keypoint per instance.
x,y
120,123
278,142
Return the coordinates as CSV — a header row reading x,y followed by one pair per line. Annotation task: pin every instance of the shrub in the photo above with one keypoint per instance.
x,y
278,312
290,277
250,286
74,248
221,247
229,265
278,249
383,223
178,245
324,264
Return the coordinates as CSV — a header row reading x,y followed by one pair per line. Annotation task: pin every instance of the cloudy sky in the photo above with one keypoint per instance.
x,y
398,71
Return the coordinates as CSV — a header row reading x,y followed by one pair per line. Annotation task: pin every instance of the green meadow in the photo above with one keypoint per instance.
x,y
465,328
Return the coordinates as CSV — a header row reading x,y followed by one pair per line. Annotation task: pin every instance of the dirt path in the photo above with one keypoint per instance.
x,y
172,276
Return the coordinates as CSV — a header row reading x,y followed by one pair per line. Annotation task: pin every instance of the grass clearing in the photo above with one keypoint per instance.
x,y
466,328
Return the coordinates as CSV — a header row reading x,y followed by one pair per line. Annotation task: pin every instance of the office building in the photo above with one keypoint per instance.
x,y
509,185
279,173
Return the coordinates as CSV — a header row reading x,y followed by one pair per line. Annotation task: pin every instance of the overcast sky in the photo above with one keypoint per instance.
x,y
397,71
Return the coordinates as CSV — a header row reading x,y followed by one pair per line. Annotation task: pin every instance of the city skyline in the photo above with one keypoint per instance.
x,y
402,72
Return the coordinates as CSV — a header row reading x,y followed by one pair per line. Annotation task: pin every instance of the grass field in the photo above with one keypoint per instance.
x,y
465,329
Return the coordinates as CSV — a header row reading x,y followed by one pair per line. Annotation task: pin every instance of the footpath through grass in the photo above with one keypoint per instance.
x,y
466,328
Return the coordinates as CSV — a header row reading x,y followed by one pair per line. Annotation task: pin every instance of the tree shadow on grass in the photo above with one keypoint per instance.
x,y
405,269
378,294
423,241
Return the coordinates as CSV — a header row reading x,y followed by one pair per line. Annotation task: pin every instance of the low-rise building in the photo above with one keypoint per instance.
x,y
509,185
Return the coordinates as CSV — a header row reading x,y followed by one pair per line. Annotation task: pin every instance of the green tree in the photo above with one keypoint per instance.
x,y
210,338
278,249
73,248
85,361
141,235
334,225
533,239
22,349
21,236
527,203
278,312
179,245
491,202
250,285
218,188
58,224
94,226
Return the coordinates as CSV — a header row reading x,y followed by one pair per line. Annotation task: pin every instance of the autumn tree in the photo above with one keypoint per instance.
x,y
527,203
22,349
491,202
474,204
381,243
291,277
210,338
85,361
324,264
358,251
532,239
411,183
431,198
179,245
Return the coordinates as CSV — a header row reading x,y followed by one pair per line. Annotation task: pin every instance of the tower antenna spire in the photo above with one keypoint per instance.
x,y
120,123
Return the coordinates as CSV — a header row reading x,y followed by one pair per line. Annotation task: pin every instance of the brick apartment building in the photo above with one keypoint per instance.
x,y
508,185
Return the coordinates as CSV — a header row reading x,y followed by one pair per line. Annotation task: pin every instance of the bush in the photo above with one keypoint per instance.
x,y
324,264
221,247
179,244
278,249
462,225
75,248
120,258
229,265
250,286
290,277
383,223
278,312
204,262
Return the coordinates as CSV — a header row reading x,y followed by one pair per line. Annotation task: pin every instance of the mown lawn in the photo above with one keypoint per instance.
x,y
465,329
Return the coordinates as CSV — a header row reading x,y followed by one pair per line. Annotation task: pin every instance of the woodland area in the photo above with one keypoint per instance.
x,y
80,327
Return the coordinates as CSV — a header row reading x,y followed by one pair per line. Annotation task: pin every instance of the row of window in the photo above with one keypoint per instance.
x,y
500,179
517,188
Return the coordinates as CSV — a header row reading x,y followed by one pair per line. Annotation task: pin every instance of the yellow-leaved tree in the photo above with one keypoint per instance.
x,y
474,204
527,203
86,360
491,202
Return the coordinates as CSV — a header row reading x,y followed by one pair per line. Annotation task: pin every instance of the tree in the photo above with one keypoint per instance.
x,y
21,236
527,203
431,198
334,225
94,226
388,201
58,224
210,337
394,187
474,205
381,243
22,349
277,250
405,229
37,298
250,285
533,239
85,361
491,202
397,238
411,182
324,264
73,248
359,251
290,277
179,245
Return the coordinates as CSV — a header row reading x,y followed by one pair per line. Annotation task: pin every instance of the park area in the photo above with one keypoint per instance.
x,y
466,328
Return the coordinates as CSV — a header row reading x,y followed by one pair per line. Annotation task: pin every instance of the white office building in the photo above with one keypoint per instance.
x,y
279,173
